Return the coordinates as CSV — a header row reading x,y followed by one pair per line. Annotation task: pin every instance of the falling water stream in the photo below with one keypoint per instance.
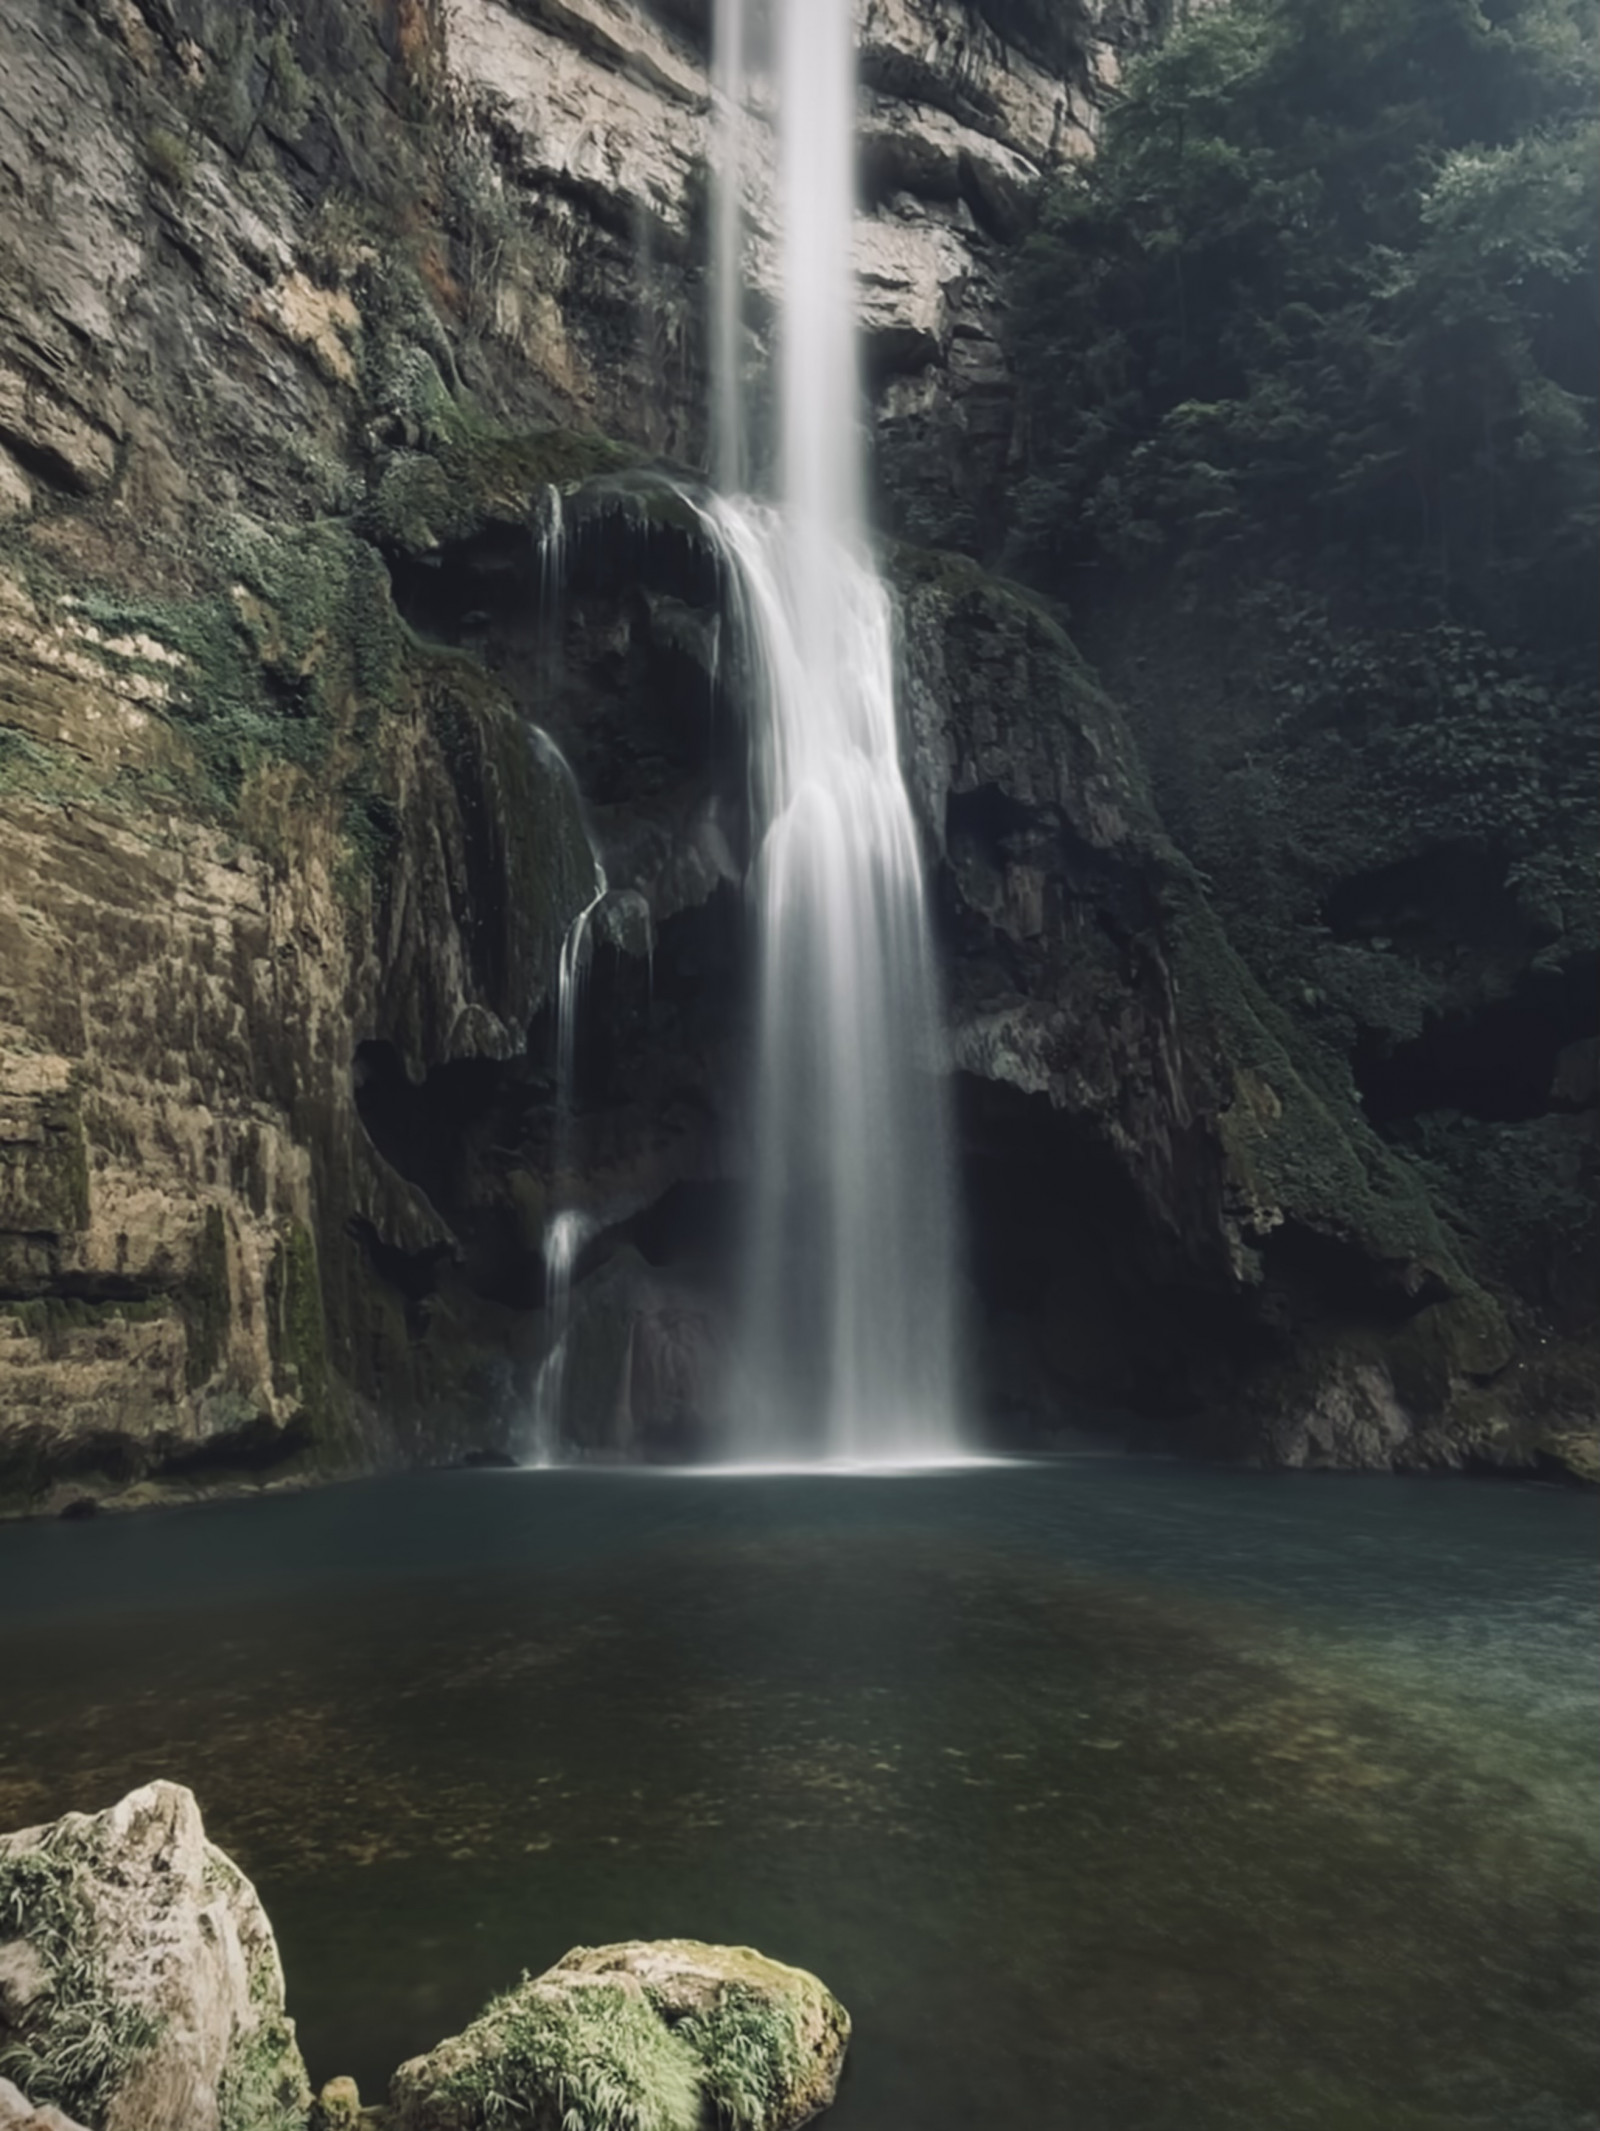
x,y
567,1228
847,1347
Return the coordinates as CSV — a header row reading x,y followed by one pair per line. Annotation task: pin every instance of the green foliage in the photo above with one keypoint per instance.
x,y
168,158
590,2058
262,2087
83,2046
1447,737
52,1319
253,80
751,2054
297,1324
1328,290
294,665
1525,1190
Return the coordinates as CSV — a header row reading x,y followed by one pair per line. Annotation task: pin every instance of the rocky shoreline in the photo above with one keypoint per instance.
x,y
141,1990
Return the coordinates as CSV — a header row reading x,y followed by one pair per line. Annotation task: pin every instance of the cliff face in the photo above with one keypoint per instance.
x,y
306,310
260,844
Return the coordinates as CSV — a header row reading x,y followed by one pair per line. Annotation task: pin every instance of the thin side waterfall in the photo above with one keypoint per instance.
x,y
847,1349
564,1237
567,1228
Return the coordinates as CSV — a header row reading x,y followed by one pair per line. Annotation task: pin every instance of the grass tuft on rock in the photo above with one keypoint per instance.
x,y
751,2052
591,2059
76,2045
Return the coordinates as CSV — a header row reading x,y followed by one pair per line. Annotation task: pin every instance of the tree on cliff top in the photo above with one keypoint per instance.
x,y
1329,291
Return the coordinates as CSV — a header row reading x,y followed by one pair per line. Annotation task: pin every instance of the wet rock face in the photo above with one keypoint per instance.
x,y
259,346
141,1979
1179,1209
592,129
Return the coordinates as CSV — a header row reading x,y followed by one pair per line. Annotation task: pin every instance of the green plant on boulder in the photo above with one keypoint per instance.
x,y
77,2048
596,2059
665,2035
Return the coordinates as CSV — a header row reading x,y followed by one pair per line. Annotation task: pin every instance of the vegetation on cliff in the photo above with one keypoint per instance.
x,y
1329,289
1309,357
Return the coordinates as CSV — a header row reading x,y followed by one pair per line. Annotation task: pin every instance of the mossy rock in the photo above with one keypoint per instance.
x,y
144,1981
471,478
664,2035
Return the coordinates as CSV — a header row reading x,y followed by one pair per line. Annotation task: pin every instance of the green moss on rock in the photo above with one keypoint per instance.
x,y
469,477
671,2035
83,2049
297,1326
1297,1143
44,1176
207,1303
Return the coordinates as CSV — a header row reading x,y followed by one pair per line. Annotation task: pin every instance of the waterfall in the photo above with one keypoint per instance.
x,y
566,1228
727,236
565,1235
847,1350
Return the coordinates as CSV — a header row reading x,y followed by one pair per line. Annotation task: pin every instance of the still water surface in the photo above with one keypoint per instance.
x,y
1109,1796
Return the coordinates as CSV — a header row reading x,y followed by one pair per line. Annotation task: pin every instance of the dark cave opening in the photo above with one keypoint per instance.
x,y
1498,1062
1446,903
1083,1313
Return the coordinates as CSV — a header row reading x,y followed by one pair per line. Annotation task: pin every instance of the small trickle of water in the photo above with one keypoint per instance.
x,y
551,539
567,1228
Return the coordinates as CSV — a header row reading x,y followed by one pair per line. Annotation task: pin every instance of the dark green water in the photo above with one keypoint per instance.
x,y
1108,1796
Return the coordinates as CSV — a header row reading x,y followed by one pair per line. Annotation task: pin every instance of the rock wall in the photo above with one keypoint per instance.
x,y
282,288
307,310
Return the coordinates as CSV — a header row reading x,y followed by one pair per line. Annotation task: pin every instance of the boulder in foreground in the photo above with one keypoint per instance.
x,y
140,1985
17,2113
662,2035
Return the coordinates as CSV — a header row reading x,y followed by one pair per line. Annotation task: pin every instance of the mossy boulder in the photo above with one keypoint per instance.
x,y
664,2035
144,1983
17,2113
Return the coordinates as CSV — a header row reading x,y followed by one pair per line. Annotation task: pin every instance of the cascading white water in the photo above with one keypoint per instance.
x,y
848,1348
565,1236
728,69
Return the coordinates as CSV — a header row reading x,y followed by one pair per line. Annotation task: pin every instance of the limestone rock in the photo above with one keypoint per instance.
x,y
157,1950
17,2113
338,2107
692,2033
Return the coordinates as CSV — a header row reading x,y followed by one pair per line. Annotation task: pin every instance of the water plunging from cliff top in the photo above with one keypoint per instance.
x,y
847,1347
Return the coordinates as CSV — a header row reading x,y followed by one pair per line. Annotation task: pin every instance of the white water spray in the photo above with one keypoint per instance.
x,y
848,1348
564,1238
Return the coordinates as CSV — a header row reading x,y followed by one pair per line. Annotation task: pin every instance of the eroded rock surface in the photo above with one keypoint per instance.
x,y
141,1982
686,2031
17,2113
